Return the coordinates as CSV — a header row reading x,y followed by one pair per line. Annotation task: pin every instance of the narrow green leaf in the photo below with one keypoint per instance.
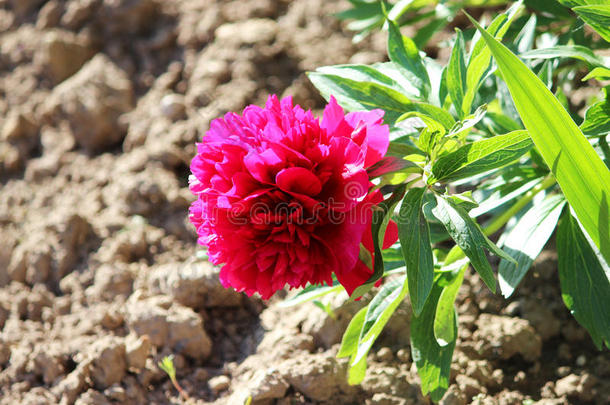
x,y
404,53
381,217
565,51
600,73
481,156
597,16
433,361
311,292
526,239
597,119
479,63
379,311
414,237
583,177
505,193
355,96
468,235
444,327
381,74
382,307
349,342
456,74
585,280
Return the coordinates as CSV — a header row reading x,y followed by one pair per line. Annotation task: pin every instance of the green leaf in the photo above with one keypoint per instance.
x,y
456,74
505,193
565,51
481,156
311,292
600,73
414,237
585,280
381,73
404,53
479,63
444,320
349,342
582,175
525,241
598,17
597,119
356,96
433,361
468,235
381,217
378,313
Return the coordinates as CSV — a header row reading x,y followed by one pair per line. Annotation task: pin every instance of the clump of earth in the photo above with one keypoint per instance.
x,y
101,104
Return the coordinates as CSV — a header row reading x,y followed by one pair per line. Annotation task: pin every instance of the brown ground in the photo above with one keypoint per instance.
x,y
101,102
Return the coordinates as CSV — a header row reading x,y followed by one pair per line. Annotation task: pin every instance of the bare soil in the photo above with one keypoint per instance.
x,y
101,103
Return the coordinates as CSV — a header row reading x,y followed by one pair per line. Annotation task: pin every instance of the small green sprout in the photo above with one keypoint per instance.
x,y
167,365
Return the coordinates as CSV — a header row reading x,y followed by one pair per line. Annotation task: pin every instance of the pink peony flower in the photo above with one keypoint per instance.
x,y
283,198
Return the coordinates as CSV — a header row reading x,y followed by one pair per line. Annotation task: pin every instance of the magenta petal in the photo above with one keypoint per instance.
x,y
298,180
377,134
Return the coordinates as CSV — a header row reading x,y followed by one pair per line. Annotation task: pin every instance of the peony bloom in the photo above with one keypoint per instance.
x,y
283,198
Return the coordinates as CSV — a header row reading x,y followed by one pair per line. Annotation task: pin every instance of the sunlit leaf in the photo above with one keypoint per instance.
x,y
585,280
414,237
597,16
456,74
433,361
403,51
583,177
526,239
565,51
444,326
468,235
481,156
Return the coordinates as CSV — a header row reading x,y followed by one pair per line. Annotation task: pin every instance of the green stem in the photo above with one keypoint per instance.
x,y
502,219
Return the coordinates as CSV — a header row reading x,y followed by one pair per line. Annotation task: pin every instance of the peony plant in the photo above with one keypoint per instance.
x,y
397,197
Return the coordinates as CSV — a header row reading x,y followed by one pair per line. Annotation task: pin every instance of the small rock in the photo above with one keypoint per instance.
x,y
195,285
469,386
92,101
404,355
247,32
44,361
49,15
63,53
110,282
108,361
219,383
576,387
70,387
172,107
453,396
541,318
267,385
137,350
507,336
317,376
385,354
177,327
567,385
